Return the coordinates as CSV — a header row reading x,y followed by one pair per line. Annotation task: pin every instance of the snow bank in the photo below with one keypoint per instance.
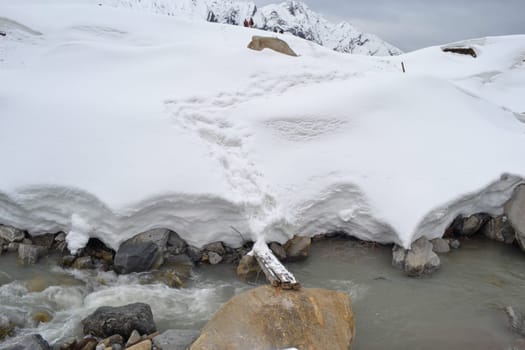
x,y
115,121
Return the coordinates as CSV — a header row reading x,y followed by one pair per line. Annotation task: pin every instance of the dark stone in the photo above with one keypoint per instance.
x,y
136,257
470,225
29,254
84,263
67,260
440,245
248,268
499,229
88,343
194,253
98,250
176,339
107,321
298,248
469,51
176,244
278,251
44,240
159,236
114,339
25,342
216,247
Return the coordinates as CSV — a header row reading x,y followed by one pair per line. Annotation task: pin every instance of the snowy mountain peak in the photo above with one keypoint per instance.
x,y
291,16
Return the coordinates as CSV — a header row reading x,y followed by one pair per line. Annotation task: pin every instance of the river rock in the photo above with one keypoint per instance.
x,y
454,243
248,268
499,229
175,339
11,234
84,263
44,240
216,247
137,257
176,244
25,342
114,339
470,225
107,321
270,318
398,256
88,343
29,254
194,253
158,236
278,250
13,247
420,259
440,245
214,258
515,211
133,339
298,248
143,345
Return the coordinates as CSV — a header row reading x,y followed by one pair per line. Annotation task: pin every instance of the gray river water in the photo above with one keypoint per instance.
x,y
459,307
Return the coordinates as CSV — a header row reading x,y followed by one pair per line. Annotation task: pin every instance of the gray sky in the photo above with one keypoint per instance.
x,y
413,24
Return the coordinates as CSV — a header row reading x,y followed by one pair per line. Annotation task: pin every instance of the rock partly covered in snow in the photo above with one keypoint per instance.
x,y
291,16
420,259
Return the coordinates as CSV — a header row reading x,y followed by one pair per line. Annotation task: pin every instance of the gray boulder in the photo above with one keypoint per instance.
x,y
11,234
499,229
420,259
248,268
278,251
176,339
194,253
158,236
216,247
398,256
25,342
29,254
214,258
107,321
470,225
137,257
44,240
515,211
176,244
298,248
440,246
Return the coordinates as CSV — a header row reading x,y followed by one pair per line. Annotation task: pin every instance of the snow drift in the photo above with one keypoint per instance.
x,y
114,121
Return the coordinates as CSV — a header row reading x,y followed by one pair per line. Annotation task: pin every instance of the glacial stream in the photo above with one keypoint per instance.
x,y
459,307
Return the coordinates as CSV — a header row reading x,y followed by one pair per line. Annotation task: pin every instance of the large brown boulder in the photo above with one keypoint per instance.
x,y
259,43
269,318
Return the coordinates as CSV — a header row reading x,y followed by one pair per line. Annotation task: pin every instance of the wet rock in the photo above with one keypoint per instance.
x,y
87,343
259,43
170,277
44,240
13,247
269,318
133,339
420,259
298,248
29,254
248,268
29,342
454,243
84,263
515,211
194,253
137,257
175,339
214,258
177,259
158,236
499,229
11,234
67,260
116,347
440,245
107,321
278,251
60,237
114,339
176,244
143,345
470,225
42,317
69,344
96,249
216,247
398,256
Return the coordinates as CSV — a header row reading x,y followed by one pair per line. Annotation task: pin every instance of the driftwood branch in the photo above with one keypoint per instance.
x,y
275,272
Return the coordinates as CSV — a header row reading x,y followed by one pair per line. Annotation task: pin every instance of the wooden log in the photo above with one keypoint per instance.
x,y
276,273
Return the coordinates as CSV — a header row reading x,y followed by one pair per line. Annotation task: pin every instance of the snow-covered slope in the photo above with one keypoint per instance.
x,y
291,17
115,121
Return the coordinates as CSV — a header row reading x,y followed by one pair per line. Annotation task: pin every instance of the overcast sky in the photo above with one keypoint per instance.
x,y
413,24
